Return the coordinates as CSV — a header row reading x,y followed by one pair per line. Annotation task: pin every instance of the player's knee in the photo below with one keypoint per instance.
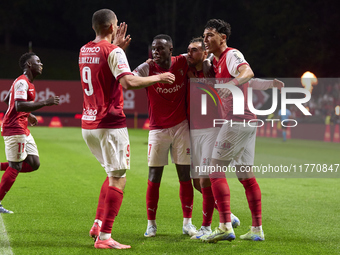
x,y
197,185
155,174
16,166
35,166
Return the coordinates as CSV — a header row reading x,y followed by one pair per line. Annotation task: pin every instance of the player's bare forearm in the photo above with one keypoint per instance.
x,y
246,73
136,82
23,106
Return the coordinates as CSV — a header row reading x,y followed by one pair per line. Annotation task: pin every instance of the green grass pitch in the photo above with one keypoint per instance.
x,y
54,207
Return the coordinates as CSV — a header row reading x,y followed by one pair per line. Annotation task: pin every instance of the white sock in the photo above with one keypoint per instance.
x,y
186,221
225,226
152,223
256,229
104,236
99,222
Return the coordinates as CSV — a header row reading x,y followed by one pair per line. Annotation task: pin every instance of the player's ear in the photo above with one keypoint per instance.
x,y
28,63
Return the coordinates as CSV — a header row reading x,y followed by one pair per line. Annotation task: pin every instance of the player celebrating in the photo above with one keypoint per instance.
x,y
20,147
234,142
202,134
104,70
168,130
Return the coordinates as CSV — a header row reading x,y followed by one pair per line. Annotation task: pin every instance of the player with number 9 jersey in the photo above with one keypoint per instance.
x,y
103,95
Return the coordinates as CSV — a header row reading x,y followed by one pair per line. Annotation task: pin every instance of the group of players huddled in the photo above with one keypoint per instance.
x,y
172,84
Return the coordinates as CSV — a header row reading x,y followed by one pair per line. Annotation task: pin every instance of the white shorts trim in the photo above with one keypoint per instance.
x,y
17,147
175,139
111,147
235,143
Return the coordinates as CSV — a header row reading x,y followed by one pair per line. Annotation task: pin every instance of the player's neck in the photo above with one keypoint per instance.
x,y
103,37
29,75
219,52
166,64
199,66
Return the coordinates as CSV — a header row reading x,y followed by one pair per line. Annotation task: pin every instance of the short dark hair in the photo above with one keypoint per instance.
x,y
102,19
199,40
24,57
165,37
220,25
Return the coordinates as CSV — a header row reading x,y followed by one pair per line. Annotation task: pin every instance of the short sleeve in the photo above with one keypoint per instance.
x,y
118,62
20,90
234,60
142,70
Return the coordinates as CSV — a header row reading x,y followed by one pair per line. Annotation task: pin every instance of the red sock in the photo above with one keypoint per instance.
x,y
152,196
208,205
101,200
3,166
26,168
186,194
220,189
113,201
253,194
7,180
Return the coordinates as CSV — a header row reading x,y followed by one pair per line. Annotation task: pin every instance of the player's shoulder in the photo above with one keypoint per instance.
x,y
179,60
21,81
233,52
142,70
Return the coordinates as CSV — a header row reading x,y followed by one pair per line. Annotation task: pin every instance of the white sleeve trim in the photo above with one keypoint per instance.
x,y
20,89
118,62
142,70
234,59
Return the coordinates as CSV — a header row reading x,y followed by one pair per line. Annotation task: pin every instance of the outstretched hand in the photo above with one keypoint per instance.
x,y
52,101
278,84
120,39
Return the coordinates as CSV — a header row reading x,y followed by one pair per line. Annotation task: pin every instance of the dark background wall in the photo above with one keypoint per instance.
x,y
279,38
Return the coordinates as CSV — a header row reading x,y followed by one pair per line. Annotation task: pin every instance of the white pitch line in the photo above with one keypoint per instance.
x,y
5,247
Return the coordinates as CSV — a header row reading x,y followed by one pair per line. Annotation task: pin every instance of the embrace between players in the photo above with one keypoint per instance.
x,y
105,133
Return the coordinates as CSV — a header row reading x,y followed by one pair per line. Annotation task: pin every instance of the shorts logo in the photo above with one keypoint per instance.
x,y
188,151
222,145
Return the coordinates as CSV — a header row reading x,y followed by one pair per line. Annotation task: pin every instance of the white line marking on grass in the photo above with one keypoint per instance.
x,y
5,247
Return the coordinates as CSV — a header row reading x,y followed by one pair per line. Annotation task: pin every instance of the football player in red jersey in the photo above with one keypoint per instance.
x,y
234,142
202,133
104,70
20,147
169,130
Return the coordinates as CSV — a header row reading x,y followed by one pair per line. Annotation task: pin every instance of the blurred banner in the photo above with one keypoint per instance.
x,y
71,97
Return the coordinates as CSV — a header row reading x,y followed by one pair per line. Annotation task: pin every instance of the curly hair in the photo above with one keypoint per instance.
x,y
23,59
220,25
